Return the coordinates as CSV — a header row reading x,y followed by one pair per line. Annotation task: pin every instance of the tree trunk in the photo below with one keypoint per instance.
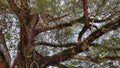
x,y
26,54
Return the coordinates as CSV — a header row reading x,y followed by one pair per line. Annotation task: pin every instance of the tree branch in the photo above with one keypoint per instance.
x,y
81,33
2,39
39,30
60,26
34,20
82,57
55,45
86,21
57,18
60,45
14,7
24,4
99,60
85,7
69,53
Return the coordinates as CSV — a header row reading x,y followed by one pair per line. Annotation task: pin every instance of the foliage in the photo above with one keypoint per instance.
x,y
50,25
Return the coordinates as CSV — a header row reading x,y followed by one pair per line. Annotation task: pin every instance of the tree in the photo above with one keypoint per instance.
x,y
36,17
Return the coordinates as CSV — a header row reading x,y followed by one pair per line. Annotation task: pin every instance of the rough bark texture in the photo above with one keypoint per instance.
x,y
26,40
27,57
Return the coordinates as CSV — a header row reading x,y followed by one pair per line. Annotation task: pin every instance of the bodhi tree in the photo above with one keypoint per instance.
x,y
24,20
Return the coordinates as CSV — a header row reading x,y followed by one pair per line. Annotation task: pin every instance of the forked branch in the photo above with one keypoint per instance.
x,y
86,21
69,53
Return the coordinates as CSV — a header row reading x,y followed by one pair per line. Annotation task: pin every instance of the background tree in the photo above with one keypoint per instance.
x,y
27,24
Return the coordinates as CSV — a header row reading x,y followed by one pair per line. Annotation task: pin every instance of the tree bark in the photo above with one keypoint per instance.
x,y
27,57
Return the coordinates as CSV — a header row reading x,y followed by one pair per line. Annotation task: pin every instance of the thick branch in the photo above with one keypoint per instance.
x,y
69,53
